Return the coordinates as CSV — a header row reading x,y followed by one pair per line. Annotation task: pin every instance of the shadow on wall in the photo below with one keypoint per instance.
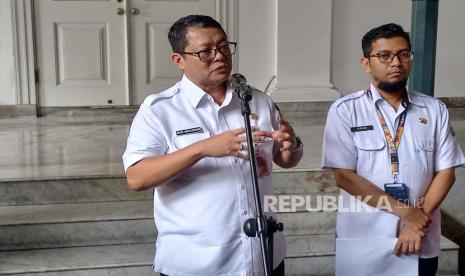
x,y
455,231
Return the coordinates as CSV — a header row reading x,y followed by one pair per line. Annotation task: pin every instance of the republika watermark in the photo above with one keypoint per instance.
x,y
327,203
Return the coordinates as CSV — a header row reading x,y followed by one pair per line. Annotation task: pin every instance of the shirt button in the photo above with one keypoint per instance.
x,y
242,187
244,212
235,160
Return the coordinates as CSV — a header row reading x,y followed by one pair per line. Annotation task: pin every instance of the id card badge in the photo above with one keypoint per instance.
x,y
398,191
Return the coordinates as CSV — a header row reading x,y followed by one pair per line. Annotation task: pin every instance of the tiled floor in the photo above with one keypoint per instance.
x,y
91,145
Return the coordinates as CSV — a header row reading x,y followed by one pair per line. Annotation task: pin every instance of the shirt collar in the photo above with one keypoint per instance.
x,y
195,94
191,91
412,97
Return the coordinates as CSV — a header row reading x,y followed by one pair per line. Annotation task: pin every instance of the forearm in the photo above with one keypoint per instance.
x,y
438,190
368,192
412,216
153,171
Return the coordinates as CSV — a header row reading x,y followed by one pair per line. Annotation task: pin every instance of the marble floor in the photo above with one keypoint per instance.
x,y
69,145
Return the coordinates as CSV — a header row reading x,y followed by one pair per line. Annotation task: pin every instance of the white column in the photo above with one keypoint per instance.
x,y
303,52
7,69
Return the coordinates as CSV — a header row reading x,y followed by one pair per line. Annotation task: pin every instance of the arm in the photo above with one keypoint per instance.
x,y
412,216
439,188
288,155
415,220
408,242
448,154
154,171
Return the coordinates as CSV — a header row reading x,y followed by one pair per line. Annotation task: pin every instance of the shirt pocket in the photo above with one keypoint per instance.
x,y
425,154
370,152
183,141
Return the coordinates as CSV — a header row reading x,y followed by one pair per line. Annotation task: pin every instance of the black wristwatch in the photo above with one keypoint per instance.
x,y
298,145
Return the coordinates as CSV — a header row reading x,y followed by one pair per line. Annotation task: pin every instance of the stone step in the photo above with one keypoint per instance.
x,y
307,255
314,255
114,188
79,224
68,190
61,261
105,223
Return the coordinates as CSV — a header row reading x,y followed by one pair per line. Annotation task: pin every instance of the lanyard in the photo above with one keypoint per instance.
x,y
393,144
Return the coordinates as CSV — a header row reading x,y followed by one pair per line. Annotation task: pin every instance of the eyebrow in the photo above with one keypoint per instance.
x,y
387,51
208,44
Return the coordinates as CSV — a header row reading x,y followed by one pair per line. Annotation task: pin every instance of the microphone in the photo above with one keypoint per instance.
x,y
239,83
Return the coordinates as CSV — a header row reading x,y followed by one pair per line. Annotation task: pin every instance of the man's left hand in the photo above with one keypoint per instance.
x,y
409,242
285,135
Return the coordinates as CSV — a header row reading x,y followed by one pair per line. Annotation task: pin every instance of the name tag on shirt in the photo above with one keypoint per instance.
x,y
189,131
361,128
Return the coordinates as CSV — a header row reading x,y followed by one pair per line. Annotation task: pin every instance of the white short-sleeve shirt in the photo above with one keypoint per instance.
x,y
199,214
354,140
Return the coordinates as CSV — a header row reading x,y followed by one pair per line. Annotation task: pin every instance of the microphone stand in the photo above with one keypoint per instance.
x,y
261,225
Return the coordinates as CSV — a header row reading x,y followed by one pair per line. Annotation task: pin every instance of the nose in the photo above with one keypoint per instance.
x,y
219,56
396,60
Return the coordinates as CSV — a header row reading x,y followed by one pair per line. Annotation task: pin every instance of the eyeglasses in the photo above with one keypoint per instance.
x,y
404,56
207,55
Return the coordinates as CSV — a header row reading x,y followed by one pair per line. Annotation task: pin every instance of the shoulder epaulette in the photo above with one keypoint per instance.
x,y
154,98
350,97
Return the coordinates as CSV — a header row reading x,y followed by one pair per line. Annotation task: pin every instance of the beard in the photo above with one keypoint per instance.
x,y
392,87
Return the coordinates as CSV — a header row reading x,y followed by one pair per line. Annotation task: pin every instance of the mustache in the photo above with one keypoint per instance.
x,y
219,66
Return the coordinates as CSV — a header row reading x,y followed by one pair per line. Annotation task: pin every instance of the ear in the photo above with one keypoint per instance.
x,y
178,59
365,63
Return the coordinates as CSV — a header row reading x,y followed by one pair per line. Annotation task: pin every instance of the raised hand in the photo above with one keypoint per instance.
x,y
285,135
229,143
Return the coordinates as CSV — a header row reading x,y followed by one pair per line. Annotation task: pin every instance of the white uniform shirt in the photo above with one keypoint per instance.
x,y
200,213
427,145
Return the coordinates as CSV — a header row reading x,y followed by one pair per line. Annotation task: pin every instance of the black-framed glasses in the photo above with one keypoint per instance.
x,y
403,56
227,49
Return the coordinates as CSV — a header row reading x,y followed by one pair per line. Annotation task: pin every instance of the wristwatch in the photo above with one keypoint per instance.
x,y
298,145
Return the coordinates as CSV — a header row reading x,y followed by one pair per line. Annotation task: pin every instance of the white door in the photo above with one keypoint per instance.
x,y
88,56
151,66
81,53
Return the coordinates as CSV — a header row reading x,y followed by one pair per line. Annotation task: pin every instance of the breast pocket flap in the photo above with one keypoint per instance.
x,y
369,141
426,145
183,141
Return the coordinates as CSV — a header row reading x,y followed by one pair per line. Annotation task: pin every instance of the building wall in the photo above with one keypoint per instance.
x,y
351,20
7,65
256,37
264,53
450,54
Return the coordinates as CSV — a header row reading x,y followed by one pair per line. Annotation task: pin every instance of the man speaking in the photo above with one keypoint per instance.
x,y
188,143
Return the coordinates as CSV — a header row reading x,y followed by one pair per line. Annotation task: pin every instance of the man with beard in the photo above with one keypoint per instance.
x,y
395,150
188,143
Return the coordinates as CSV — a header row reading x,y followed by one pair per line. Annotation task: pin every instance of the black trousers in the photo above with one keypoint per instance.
x,y
427,267
279,271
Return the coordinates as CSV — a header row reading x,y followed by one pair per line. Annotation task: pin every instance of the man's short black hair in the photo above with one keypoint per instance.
x,y
384,31
177,32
